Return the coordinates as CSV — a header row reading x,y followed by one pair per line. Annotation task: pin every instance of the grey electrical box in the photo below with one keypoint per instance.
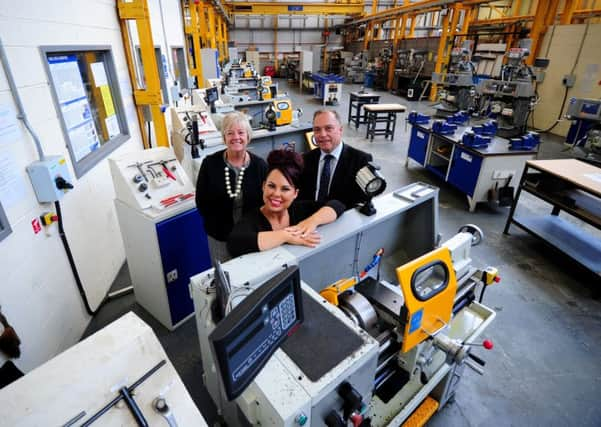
x,y
50,178
569,80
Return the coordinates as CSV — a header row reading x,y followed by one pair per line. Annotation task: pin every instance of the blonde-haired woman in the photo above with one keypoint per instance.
x,y
229,184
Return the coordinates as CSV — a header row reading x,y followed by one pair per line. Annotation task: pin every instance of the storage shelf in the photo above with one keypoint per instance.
x,y
585,206
442,156
565,236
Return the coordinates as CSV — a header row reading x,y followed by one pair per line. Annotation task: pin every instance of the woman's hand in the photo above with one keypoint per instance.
x,y
308,225
296,236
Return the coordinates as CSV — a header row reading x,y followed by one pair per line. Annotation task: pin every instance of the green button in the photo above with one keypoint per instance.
x,y
301,419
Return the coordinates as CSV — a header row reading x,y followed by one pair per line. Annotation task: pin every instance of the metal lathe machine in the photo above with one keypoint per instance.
x,y
372,327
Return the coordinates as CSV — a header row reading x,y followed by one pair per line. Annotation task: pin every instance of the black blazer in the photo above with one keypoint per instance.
x,y
343,186
212,200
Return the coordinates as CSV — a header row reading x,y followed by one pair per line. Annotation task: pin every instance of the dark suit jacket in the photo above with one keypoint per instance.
x,y
343,186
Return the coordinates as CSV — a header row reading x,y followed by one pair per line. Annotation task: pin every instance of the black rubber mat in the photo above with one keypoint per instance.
x,y
321,342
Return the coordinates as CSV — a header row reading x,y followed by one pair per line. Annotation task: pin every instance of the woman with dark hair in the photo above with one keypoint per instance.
x,y
281,219
229,184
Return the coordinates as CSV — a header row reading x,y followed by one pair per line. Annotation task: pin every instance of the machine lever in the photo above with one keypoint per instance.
x,y
476,359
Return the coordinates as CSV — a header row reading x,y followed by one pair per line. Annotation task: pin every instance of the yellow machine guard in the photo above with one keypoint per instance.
x,y
332,292
283,110
429,286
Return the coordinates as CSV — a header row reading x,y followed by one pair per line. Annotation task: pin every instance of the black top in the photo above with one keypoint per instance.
x,y
244,237
342,186
212,200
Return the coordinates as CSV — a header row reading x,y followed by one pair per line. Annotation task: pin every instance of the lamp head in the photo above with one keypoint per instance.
x,y
372,183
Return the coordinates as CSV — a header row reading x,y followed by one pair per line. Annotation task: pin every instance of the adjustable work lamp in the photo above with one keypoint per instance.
x,y
371,183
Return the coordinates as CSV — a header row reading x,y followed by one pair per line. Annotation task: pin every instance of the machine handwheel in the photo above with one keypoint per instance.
x,y
475,231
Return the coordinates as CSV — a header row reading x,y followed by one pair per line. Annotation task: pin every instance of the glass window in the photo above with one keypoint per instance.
x,y
429,280
86,91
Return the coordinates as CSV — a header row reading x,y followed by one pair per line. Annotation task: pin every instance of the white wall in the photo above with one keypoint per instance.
x,y
571,49
288,40
37,290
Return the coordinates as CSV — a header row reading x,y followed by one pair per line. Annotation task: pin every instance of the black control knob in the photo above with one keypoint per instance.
x,y
334,420
62,184
353,401
142,187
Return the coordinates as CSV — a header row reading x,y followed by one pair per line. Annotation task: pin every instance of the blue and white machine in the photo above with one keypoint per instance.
x,y
327,87
165,242
585,131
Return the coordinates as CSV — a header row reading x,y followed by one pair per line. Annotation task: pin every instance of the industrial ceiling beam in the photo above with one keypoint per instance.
x,y
284,8
219,7
582,13
417,7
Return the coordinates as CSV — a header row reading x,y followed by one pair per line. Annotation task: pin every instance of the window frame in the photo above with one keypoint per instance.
x,y
5,228
84,165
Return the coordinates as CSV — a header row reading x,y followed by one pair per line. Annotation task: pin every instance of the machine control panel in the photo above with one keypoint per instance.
x,y
245,339
582,108
150,179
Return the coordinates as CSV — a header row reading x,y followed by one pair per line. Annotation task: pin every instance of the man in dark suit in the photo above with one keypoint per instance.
x,y
330,171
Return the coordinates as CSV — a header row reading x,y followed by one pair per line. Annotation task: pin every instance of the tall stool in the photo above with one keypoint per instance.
x,y
382,113
357,100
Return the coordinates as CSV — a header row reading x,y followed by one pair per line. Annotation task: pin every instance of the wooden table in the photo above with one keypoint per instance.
x,y
571,186
382,113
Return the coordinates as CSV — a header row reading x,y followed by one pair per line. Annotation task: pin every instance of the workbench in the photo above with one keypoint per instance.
x,y
356,101
382,113
474,171
570,186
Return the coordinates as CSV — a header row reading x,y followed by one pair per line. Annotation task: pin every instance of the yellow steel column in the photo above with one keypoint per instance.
x,y
510,29
195,20
551,13
412,27
467,20
324,64
454,20
211,14
226,52
440,53
367,35
516,5
218,37
137,10
131,67
399,33
275,43
226,39
544,9
203,24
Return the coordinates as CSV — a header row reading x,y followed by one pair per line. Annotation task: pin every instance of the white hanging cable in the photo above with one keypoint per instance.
x,y
15,93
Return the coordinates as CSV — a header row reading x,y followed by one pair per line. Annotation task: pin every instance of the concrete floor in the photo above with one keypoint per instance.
x,y
545,368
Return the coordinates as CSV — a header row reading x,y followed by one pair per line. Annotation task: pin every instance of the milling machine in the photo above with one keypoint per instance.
x,y
457,93
585,131
512,98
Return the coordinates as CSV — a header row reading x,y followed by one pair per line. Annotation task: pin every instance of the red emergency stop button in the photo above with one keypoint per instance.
x,y
487,344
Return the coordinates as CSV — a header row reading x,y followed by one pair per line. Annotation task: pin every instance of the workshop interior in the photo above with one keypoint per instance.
x,y
464,290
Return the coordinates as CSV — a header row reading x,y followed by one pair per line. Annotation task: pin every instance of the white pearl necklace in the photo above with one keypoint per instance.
x,y
228,187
